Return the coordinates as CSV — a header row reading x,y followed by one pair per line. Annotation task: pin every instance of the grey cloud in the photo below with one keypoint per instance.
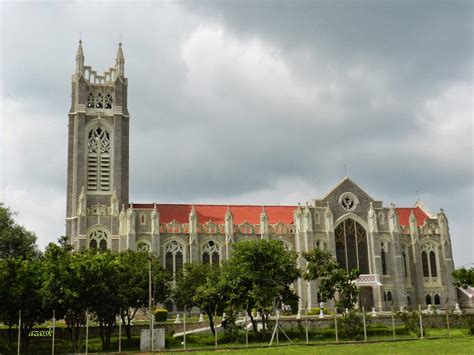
x,y
222,139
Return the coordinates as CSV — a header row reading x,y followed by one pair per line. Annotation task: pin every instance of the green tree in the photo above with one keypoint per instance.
x,y
133,284
259,274
211,296
21,281
463,277
322,267
65,288
15,240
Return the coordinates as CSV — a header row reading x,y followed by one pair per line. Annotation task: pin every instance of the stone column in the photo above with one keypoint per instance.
x,y
193,242
446,261
397,267
155,231
229,232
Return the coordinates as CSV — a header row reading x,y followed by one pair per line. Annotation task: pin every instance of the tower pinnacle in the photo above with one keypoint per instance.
x,y
120,61
80,59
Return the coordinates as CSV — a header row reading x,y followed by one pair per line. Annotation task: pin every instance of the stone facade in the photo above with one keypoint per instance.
x,y
404,254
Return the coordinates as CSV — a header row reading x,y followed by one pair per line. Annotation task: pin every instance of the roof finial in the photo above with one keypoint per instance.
x,y
80,59
120,61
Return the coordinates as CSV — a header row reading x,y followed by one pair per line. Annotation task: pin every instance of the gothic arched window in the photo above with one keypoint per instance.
x,y
210,253
405,263
98,160
428,299
424,262
143,246
434,272
174,258
428,260
437,299
383,257
98,238
351,246
389,296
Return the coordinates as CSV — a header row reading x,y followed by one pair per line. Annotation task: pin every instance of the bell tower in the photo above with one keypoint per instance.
x,y
98,154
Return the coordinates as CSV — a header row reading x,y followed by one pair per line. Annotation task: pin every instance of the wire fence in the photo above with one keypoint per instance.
x,y
188,331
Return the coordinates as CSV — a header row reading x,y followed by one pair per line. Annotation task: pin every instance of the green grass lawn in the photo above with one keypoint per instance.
x,y
455,345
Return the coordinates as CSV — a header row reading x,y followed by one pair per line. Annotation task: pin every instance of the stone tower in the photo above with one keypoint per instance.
x,y
98,154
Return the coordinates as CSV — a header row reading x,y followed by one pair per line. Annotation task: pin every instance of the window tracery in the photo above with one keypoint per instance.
x,y
143,246
174,257
98,160
98,239
211,253
351,246
429,261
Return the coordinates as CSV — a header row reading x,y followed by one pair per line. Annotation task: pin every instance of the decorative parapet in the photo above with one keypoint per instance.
x,y
368,280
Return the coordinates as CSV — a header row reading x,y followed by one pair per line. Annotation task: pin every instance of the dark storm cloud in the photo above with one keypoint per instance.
x,y
250,101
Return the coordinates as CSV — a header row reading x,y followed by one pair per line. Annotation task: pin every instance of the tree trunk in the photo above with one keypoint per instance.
x,y
128,327
252,320
211,323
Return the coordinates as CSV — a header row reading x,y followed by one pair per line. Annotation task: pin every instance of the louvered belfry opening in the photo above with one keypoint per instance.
x,y
351,246
98,160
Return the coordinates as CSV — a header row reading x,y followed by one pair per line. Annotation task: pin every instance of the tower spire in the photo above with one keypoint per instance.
x,y
120,61
80,59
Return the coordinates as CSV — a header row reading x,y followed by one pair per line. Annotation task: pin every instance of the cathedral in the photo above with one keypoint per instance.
x,y
403,253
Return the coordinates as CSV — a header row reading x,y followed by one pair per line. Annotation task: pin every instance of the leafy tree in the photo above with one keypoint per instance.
x,y
463,277
211,296
332,278
21,281
259,274
15,240
133,284
65,288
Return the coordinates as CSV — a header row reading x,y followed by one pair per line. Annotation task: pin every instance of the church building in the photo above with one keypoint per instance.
x,y
404,253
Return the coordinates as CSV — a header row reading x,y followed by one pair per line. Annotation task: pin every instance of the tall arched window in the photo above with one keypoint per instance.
x,y
405,263
424,261
351,246
98,160
434,272
210,253
98,238
428,259
383,257
174,255
437,299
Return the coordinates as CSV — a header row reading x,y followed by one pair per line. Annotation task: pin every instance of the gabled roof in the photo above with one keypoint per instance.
x,y
404,215
344,180
216,213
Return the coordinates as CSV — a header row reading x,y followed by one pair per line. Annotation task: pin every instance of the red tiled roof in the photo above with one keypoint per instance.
x,y
251,214
216,213
404,215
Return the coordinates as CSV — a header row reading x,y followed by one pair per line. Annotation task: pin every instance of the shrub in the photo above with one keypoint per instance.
x,y
161,314
352,326
411,321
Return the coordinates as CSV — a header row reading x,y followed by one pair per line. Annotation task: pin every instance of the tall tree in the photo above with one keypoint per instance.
x,y
260,273
15,240
133,284
21,281
65,289
331,278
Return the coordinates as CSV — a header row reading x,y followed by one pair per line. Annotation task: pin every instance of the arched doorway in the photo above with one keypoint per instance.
x,y
351,246
366,298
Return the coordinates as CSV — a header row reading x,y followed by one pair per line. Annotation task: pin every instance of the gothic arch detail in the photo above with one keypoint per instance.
x,y
351,246
98,239
174,257
98,159
211,253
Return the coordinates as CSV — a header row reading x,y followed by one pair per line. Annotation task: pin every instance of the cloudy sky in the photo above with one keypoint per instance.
x,y
250,102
